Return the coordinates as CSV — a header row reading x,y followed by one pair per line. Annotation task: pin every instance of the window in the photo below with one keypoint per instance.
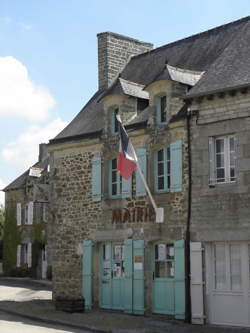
x,y
116,180
114,122
161,116
164,261
222,159
162,168
118,187
227,267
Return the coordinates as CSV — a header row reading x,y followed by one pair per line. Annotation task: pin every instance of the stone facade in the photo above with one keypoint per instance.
x,y
220,207
76,217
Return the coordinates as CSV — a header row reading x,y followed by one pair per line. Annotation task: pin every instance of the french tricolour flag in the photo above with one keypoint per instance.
x,y
127,160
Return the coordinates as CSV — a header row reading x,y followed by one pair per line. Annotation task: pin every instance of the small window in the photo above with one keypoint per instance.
x,y
114,124
161,116
222,159
164,261
115,179
162,172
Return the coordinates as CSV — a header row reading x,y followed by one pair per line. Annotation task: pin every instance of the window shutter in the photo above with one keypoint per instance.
x,y
18,213
128,277
96,178
29,255
87,273
176,166
196,283
30,212
155,171
126,187
179,282
18,256
211,161
142,160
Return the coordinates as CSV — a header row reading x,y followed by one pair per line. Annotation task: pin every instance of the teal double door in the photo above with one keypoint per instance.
x,y
169,279
122,276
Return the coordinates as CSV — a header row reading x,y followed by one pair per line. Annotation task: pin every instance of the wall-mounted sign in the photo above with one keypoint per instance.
x,y
136,214
35,172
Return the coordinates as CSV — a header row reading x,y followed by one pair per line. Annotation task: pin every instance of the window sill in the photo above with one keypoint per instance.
x,y
213,185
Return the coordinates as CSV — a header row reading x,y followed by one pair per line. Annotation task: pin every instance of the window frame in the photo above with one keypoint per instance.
x,y
117,182
228,157
160,111
166,161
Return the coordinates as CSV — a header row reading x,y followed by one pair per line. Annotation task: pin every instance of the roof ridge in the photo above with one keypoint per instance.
x,y
220,27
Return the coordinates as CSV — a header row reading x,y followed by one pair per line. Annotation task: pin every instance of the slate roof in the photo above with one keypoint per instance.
x,y
223,53
20,181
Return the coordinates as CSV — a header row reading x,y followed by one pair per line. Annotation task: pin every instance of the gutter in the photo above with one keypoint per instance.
x,y
187,243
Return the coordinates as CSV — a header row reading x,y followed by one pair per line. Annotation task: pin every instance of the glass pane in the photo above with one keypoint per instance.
x,y
106,252
114,164
170,251
114,176
219,145
118,269
219,160
114,189
168,154
220,266
163,107
232,144
118,252
160,169
161,252
160,155
160,183
220,175
235,264
232,174
115,120
164,269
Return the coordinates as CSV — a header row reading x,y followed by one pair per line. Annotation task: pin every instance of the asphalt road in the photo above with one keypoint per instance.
x,y
15,324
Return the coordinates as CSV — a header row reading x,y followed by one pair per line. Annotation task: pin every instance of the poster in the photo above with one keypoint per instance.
x,y
161,252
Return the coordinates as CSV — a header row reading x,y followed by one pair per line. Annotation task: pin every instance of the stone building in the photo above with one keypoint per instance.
x,y
26,205
185,106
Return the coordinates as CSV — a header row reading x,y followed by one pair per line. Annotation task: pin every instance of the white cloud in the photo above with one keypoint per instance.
x,y
23,152
6,19
2,185
20,97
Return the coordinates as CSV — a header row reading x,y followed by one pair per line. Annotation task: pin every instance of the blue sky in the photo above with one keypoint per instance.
x,y
48,59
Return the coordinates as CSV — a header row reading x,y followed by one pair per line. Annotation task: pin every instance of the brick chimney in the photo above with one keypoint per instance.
x,y
114,51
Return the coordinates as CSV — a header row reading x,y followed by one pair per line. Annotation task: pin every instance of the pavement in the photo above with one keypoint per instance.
x,y
32,299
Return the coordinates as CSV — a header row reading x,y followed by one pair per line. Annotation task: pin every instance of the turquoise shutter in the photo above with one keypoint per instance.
x,y
176,166
87,273
179,283
142,160
155,171
138,278
106,299
128,278
96,178
126,187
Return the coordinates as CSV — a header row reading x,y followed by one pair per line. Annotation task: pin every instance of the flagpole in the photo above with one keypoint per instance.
x,y
159,212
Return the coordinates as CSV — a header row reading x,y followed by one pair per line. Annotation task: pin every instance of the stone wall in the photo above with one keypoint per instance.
x,y
221,211
114,51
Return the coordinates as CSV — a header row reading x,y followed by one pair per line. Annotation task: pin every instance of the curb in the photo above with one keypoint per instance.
x,y
55,322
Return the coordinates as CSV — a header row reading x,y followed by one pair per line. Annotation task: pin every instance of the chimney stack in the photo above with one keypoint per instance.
x,y
114,51
43,152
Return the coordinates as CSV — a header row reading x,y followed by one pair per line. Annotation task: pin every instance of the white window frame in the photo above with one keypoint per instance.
x,y
213,179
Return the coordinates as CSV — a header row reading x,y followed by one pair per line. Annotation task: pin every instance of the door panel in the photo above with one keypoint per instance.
x,y
163,296
106,281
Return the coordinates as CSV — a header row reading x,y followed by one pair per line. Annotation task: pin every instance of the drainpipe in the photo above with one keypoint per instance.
x,y
187,243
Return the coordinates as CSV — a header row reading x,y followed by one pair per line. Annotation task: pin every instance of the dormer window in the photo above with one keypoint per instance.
x,y
161,116
114,122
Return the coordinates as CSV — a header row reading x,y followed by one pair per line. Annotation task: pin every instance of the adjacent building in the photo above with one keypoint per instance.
x,y
26,225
